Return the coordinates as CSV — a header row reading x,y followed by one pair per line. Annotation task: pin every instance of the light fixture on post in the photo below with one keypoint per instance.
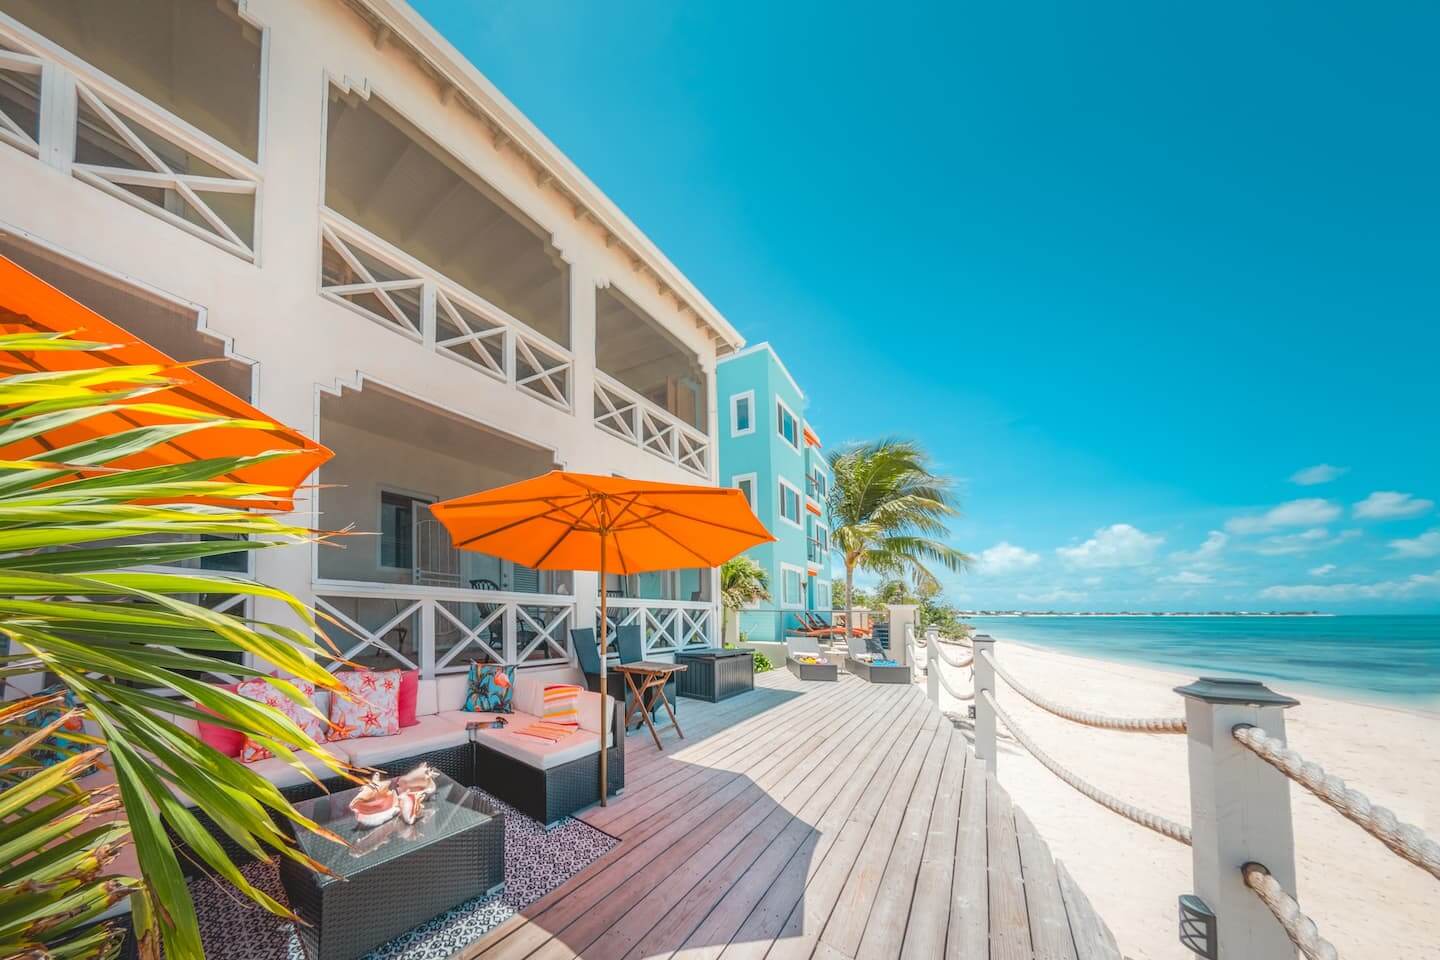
x,y
1197,927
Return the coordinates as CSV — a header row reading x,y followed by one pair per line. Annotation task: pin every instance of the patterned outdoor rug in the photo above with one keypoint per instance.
x,y
536,861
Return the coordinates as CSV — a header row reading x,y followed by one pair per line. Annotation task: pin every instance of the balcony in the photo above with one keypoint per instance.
x,y
622,412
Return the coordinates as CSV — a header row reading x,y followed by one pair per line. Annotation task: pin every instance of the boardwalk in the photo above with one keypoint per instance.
x,y
824,820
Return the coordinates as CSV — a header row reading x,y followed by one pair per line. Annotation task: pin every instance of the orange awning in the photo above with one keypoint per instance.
x,y
29,303
812,506
810,436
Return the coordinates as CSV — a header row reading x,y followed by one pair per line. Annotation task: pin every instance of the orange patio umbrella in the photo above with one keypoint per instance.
x,y
580,521
28,303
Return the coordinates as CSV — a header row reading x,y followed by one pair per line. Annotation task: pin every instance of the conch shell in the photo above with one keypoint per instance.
x,y
421,780
380,800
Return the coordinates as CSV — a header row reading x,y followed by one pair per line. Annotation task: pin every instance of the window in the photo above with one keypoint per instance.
x,y
792,583
787,425
822,596
397,529
818,484
745,483
789,504
742,414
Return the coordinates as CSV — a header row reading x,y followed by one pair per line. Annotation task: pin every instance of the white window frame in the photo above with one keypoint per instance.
x,y
799,443
799,523
735,398
754,480
414,497
799,572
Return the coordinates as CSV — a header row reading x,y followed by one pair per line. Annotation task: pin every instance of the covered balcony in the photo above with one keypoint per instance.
x,y
649,389
404,594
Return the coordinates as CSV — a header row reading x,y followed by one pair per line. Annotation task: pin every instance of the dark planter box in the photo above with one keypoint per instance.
x,y
716,675
871,673
813,671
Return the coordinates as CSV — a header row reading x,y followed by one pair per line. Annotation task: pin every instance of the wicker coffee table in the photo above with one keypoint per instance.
x,y
392,877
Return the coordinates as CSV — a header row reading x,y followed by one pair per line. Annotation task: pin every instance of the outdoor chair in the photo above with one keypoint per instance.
x,y
796,647
587,656
632,650
863,660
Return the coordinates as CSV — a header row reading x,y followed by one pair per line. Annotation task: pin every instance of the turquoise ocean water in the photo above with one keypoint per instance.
x,y
1392,659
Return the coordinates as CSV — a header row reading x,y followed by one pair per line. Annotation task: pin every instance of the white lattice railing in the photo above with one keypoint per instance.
x,y
666,626
629,416
80,121
441,629
387,285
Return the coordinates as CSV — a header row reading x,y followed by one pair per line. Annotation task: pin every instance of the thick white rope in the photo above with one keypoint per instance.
x,y
1099,721
1299,928
1162,826
967,661
940,669
1405,839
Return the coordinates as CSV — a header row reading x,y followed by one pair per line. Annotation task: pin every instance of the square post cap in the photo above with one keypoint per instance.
x,y
1235,690
982,638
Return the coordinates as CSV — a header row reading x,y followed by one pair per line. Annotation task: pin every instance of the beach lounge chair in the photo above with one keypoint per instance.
x,y
867,659
805,660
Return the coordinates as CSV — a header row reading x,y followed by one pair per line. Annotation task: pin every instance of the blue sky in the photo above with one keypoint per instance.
x,y
1126,269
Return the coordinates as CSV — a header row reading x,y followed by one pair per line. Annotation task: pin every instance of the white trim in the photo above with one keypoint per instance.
x,y
765,346
735,399
754,479
799,443
799,505
798,604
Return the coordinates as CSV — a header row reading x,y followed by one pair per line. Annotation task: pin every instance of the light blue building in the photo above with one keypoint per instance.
x,y
768,451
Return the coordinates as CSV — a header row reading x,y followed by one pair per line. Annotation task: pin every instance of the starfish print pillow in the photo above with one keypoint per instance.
x,y
262,692
375,709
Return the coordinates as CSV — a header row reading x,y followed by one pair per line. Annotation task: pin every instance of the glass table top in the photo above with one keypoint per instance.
x,y
452,810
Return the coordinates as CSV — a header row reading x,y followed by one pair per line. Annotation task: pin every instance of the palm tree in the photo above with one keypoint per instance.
x,y
742,582
889,512
91,596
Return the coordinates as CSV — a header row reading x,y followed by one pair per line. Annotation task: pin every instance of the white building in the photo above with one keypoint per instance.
x,y
386,254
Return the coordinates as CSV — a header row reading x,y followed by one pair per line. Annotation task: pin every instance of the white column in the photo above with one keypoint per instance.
x,y
984,716
1239,812
902,618
932,665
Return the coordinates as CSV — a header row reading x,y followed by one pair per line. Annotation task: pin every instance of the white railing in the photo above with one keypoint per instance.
x,y
383,283
115,139
1240,774
440,630
666,626
624,413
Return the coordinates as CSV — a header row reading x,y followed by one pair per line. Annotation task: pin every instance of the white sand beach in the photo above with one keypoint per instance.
x,y
1367,901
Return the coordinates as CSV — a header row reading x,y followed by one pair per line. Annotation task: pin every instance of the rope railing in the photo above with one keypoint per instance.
x,y
1405,839
968,695
1299,928
1151,821
1085,718
940,651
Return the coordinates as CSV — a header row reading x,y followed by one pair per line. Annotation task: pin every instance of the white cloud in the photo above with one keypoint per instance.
x,y
1188,577
1006,558
1416,583
1425,545
1320,473
1118,545
1324,570
1316,538
1206,552
1309,512
1390,504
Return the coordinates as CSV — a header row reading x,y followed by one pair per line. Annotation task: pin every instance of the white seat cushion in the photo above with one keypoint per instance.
x,y
450,691
427,702
534,752
428,734
282,774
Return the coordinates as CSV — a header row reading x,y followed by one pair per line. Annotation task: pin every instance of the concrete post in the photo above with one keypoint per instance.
x,y
932,668
984,716
1239,812
902,617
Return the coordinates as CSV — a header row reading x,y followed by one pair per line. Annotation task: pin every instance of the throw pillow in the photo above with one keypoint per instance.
x,y
492,689
227,741
56,747
261,691
375,709
409,695
562,705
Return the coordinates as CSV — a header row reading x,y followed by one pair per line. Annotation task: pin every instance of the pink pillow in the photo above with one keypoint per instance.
x,y
375,710
227,741
409,694
262,692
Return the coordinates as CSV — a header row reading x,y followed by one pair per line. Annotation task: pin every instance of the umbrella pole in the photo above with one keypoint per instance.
x,y
604,657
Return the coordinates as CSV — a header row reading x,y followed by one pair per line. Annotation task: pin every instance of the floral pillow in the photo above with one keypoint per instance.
x,y
56,747
261,691
375,709
492,689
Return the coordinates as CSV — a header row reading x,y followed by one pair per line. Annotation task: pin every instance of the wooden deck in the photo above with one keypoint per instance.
x,y
825,820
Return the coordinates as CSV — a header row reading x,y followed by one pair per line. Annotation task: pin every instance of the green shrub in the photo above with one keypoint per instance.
x,y
762,663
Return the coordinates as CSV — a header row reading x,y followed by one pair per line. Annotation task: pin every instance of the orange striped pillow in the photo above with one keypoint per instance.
x,y
562,705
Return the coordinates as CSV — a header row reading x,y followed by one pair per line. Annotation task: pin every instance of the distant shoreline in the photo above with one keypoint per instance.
x,y
1172,614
